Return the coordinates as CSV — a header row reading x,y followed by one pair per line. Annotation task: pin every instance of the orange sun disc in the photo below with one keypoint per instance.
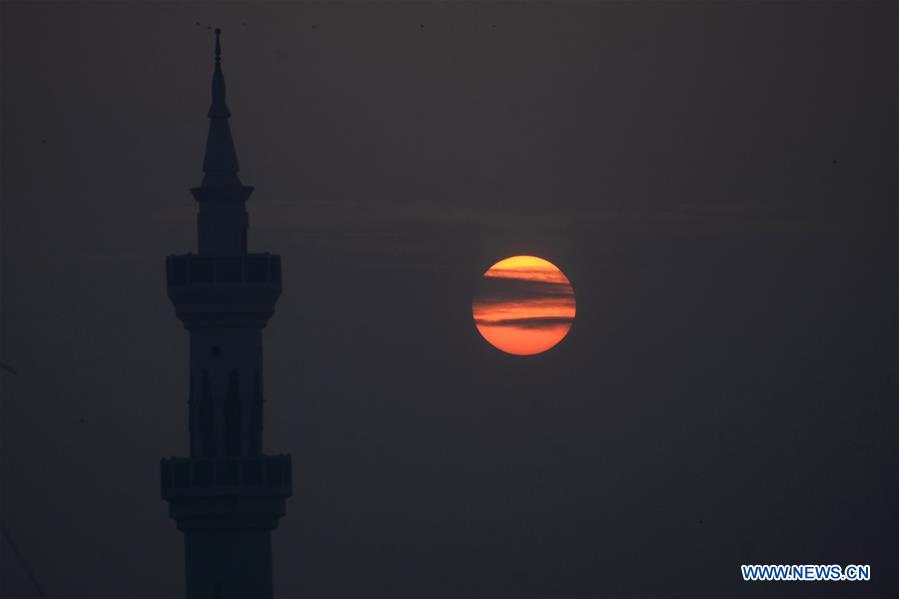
x,y
524,305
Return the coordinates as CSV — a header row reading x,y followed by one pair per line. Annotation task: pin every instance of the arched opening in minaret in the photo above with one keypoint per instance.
x,y
256,418
232,416
192,416
207,418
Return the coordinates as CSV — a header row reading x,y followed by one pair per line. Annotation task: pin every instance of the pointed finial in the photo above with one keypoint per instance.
x,y
218,107
220,163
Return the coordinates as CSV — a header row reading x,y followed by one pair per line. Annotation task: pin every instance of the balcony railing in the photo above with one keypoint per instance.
x,y
257,269
265,473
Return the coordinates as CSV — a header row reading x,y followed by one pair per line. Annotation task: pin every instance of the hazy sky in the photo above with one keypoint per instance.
x,y
718,182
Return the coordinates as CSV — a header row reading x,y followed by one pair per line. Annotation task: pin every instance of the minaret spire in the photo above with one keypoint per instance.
x,y
222,222
220,163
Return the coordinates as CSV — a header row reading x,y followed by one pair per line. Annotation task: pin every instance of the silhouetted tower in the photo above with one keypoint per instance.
x,y
227,496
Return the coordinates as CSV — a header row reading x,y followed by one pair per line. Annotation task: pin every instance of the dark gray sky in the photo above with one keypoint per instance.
x,y
718,181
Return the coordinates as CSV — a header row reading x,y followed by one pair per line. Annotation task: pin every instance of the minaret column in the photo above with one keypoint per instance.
x,y
227,496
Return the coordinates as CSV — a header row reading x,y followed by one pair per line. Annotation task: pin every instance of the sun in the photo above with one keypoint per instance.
x,y
524,305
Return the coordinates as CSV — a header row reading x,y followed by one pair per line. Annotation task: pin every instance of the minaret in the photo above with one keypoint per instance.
x,y
227,496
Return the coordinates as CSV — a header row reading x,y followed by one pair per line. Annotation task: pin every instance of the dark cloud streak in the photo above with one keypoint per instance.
x,y
497,290
544,322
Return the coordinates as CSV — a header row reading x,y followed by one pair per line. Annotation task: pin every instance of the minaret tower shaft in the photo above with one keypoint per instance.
x,y
227,496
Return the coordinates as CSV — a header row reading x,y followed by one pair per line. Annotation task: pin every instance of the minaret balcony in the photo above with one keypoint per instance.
x,y
213,291
206,477
252,269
